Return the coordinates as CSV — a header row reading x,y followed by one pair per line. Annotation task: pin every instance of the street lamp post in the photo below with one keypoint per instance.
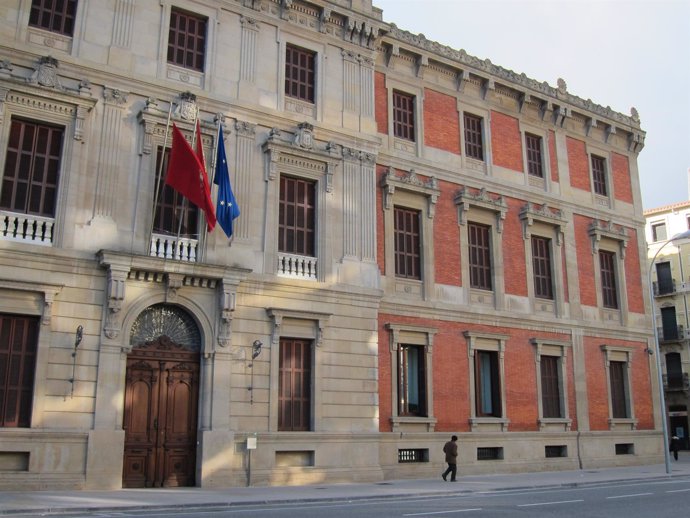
x,y
657,349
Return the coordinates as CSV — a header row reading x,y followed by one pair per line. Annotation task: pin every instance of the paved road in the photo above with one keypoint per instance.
x,y
658,499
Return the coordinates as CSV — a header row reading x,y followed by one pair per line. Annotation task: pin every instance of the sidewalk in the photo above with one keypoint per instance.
x,y
42,502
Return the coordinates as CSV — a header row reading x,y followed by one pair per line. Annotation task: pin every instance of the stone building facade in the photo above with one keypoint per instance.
x,y
428,244
670,274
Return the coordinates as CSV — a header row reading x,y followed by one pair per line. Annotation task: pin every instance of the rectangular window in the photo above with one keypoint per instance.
x,y
534,156
617,372
32,168
479,256
541,264
659,232
550,387
674,371
294,382
599,175
411,381
488,384
474,142
174,214
407,243
300,73
403,116
609,289
54,15
669,323
18,344
296,218
664,279
187,40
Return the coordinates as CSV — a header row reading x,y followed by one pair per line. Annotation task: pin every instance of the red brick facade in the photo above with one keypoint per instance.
x,y
578,164
441,122
622,185
506,144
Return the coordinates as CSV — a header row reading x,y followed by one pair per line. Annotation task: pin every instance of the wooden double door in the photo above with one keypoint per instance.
x,y
160,417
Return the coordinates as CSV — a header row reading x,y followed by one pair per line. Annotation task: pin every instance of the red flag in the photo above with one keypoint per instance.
x,y
187,174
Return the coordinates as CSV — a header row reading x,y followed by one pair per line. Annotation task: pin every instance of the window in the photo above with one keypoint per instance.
x,y
294,380
487,384
32,168
664,278
669,323
474,144
18,343
296,225
674,371
599,175
534,156
609,289
187,40
617,373
300,73
659,232
479,255
403,115
541,262
550,387
407,243
411,381
174,215
53,15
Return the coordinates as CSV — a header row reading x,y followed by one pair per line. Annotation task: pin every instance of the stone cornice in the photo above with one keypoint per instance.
x,y
485,67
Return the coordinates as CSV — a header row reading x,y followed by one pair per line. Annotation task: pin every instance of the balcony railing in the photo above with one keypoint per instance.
x,y
677,383
664,288
297,266
26,228
171,247
671,333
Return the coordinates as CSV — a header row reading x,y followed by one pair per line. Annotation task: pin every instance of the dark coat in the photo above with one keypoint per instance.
x,y
451,451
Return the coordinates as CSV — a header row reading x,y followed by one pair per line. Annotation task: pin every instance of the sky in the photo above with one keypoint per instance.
x,y
618,53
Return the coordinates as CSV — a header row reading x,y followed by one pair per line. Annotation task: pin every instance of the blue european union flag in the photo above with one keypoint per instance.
x,y
226,208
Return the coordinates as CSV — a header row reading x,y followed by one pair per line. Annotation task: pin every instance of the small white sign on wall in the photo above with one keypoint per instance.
x,y
251,443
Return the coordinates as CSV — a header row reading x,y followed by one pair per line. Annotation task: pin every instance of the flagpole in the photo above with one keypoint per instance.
x,y
160,174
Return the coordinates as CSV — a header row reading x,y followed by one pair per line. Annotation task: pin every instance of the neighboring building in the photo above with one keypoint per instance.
x,y
428,244
671,283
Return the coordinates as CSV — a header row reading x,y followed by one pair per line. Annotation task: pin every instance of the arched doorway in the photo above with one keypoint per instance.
x,y
161,399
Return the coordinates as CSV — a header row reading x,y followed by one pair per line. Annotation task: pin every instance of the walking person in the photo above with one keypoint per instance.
x,y
674,446
451,451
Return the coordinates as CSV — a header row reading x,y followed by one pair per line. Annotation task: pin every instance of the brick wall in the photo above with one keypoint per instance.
x,y
441,122
514,259
585,261
506,145
447,238
578,164
622,187
633,276
381,102
553,156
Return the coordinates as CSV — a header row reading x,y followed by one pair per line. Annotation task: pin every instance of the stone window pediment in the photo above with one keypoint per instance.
x,y
468,198
599,230
410,182
532,213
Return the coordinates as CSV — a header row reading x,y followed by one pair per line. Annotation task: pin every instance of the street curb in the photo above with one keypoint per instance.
x,y
57,511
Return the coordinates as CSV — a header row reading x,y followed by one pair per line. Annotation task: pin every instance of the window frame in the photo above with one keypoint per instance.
x,y
621,358
534,156
47,156
407,242
558,349
599,174
67,14
170,202
301,377
421,337
306,206
294,69
404,107
480,256
199,55
542,267
655,233
474,139
609,276
495,344
405,358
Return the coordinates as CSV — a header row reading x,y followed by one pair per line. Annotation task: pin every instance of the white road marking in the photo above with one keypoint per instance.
x,y
444,512
678,490
551,503
628,496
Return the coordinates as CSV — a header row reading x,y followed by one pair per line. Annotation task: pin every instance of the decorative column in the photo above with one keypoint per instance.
x,y
244,165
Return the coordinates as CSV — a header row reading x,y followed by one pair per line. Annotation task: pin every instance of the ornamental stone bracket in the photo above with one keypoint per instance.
x,y
277,315
531,212
227,300
117,281
410,182
607,229
302,153
466,199
173,282
46,73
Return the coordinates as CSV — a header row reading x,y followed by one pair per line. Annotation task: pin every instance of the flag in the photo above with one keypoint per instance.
x,y
187,174
226,207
